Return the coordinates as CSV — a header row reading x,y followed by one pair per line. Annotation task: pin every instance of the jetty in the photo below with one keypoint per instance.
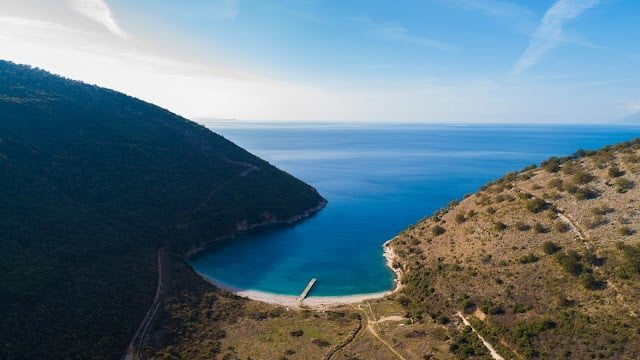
x,y
306,291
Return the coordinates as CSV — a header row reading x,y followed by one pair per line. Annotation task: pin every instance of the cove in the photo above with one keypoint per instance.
x,y
378,180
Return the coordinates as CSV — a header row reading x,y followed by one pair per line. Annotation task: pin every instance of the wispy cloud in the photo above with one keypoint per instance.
x,y
99,11
499,8
230,10
520,18
396,32
634,107
549,33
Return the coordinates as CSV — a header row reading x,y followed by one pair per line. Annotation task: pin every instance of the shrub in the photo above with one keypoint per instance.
x,y
521,226
561,226
521,309
523,336
404,301
591,258
297,333
551,165
571,262
595,221
589,282
631,257
276,312
625,231
528,259
438,230
539,228
582,177
466,345
442,320
320,342
615,172
460,218
585,193
491,210
536,205
550,248
623,185
555,183
524,196
571,168
495,310
469,306
602,210
499,226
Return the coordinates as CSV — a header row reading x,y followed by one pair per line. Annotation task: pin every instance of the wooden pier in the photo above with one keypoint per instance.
x,y
306,291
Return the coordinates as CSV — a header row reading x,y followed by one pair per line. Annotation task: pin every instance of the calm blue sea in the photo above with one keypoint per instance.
x,y
378,179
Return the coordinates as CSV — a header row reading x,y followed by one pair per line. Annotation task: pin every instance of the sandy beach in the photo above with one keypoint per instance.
x,y
317,301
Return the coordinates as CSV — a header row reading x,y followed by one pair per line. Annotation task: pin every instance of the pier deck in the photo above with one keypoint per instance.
x,y
306,291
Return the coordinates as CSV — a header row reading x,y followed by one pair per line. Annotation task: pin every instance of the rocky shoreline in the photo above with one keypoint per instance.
x,y
241,228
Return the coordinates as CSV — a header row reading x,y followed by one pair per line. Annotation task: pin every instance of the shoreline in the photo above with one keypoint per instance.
x,y
317,302
244,228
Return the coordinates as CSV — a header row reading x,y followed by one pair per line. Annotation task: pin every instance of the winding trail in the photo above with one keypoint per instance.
x,y
562,214
371,327
492,351
138,338
352,336
581,235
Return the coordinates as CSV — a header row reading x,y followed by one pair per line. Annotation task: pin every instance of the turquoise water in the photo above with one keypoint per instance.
x,y
378,180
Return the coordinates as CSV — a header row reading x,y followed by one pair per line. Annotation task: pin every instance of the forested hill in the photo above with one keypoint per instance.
x,y
92,183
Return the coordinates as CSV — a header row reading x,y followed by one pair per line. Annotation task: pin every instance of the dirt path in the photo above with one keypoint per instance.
x,y
138,337
492,351
561,213
372,323
352,336
391,318
581,235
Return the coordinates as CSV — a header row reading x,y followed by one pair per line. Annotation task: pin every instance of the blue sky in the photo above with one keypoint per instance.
x,y
347,60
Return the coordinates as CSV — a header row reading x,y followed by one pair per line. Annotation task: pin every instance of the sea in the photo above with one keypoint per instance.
x,y
378,179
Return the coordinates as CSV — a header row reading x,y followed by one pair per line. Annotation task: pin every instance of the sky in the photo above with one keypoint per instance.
x,y
463,61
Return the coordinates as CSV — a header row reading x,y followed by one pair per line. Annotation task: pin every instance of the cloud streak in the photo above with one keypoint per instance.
x,y
99,11
549,33
398,33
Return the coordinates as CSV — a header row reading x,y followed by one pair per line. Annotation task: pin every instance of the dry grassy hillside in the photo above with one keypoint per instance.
x,y
545,262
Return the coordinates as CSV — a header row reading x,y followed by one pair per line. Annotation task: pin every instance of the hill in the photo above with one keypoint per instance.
x,y
93,182
544,263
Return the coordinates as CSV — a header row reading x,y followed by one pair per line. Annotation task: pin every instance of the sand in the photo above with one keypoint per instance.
x,y
317,302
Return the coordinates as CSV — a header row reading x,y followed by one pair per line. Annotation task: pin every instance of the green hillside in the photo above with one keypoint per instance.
x,y
92,183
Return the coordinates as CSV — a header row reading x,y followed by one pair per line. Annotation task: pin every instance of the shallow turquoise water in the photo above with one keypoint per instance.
x,y
378,180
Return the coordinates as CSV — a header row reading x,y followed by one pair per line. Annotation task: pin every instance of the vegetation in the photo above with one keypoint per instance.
x,y
551,165
571,262
438,230
93,183
528,259
624,185
521,226
561,226
550,248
